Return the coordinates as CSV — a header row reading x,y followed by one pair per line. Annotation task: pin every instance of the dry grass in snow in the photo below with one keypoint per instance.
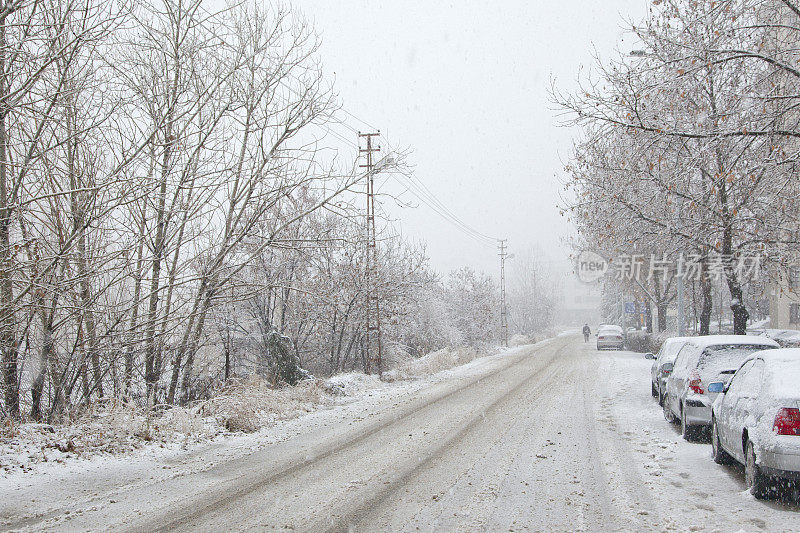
x,y
116,428
241,407
432,363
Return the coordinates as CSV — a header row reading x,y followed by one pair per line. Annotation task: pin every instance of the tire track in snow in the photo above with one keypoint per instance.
x,y
247,487
359,517
473,481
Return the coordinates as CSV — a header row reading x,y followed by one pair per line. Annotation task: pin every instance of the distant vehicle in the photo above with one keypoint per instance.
x,y
665,356
756,419
610,337
700,361
787,338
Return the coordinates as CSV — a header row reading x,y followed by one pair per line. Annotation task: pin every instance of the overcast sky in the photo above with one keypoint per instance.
x,y
464,85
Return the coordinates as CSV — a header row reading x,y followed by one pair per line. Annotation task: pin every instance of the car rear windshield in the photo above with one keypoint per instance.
x,y
722,357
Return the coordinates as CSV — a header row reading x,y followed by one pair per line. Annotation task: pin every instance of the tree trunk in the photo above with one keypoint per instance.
x,y
193,347
706,308
46,354
740,313
662,316
150,377
8,343
137,294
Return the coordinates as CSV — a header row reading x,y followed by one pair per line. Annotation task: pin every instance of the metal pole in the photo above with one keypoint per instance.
x,y
503,311
373,315
681,319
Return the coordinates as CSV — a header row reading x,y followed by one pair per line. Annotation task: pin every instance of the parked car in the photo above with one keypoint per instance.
x,y
665,356
700,361
787,338
756,419
609,336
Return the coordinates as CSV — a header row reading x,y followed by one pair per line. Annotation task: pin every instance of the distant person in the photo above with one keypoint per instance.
x,y
586,332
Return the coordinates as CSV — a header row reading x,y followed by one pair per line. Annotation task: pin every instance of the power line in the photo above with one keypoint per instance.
x,y
359,119
411,188
442,210
439,208
447,210
417,188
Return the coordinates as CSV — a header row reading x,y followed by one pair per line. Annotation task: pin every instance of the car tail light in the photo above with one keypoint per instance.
x,y
601,337
787,421
696,384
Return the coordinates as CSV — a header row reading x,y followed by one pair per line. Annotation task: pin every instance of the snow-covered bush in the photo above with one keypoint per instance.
x,y
350,384
252,404
520,340
433,362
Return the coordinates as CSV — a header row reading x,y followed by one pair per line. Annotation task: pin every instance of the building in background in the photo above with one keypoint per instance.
x,y
784,300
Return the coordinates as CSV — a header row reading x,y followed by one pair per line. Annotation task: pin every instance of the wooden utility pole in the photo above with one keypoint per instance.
x,y
503,311
373,316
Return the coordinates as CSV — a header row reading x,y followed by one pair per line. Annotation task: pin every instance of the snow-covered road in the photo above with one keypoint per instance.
x,y
555,437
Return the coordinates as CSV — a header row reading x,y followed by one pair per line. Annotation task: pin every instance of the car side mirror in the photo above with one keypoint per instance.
x,y
717,387
666,368
649,355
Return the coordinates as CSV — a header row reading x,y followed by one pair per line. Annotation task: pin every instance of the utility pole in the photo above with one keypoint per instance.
x,y
503,311
681,319
680,275
372,312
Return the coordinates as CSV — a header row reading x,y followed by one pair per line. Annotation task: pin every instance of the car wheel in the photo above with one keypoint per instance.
x,y
687,432
755,480
660,399
721,457
653,391
667,411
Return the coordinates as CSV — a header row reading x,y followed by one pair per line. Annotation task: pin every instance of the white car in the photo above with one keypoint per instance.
x,y
700,361
756,419
609,336
666,355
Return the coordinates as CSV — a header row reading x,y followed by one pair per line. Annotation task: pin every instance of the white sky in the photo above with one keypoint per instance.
x,y
464,85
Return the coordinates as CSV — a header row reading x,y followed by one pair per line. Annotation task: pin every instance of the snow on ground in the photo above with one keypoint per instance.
x,y
34,462
690,491
245,407
565,439
116,429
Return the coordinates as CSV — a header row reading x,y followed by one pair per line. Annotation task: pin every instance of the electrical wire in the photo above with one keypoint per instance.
x,y
417,187
447,210
440,209
419,190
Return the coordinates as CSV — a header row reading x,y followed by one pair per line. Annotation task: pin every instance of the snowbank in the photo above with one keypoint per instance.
x,y
434,362
350,384
114,428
